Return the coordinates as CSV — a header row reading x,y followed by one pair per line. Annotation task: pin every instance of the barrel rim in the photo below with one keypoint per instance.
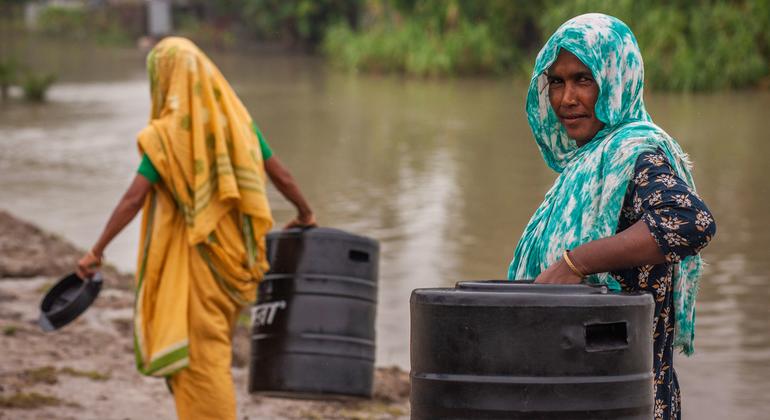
x,y
513,286
460,297
325,232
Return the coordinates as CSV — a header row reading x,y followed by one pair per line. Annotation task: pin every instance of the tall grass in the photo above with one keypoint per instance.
x,y
35,85
102,25
9,70
414,48
686,45
300,23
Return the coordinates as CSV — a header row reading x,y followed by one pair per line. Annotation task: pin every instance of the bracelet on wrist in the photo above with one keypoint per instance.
x,y
98,257
572,265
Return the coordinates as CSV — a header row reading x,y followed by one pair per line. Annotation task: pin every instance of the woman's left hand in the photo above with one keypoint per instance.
x,y
558,273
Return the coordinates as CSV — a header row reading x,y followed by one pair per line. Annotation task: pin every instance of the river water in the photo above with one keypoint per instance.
x,y
444,174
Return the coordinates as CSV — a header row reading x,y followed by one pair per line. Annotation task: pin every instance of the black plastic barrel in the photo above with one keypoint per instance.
x,y
511,350
313,326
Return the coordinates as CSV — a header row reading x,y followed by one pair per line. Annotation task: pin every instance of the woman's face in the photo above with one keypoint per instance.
x,y
572,91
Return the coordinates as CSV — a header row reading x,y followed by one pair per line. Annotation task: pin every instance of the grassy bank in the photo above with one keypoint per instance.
x,y
410,48
687,46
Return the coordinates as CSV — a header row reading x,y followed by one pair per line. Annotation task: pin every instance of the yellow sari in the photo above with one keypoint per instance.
x,y
202,248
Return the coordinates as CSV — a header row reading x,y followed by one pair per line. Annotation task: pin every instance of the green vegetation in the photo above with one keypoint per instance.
x,y
104,26
409,48
294,23
434,38
8,73
90,374
371,410
50,375
10,330
46,374
12,71
57,21
298,22
244,319
27,400
36,85
687,45
699,45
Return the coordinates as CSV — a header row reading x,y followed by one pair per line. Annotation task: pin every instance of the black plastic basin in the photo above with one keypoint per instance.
x,y
67,299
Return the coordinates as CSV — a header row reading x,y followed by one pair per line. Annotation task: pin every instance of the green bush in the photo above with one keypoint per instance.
x,y
102,25
299,22
104,28
8,74
56,20
688,46
416,48
35,86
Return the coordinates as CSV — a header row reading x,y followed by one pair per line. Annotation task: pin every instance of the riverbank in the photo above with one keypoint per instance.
x,y
86,370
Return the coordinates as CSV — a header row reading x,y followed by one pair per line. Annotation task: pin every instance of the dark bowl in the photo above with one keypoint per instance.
x,y
67,299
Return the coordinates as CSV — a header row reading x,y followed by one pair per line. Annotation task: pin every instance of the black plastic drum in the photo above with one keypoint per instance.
x,y
511,350
313,325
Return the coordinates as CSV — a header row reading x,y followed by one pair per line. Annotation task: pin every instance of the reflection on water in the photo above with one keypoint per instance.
x,y
444,174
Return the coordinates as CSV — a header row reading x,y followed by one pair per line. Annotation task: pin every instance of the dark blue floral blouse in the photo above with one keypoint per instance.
x,y
682,225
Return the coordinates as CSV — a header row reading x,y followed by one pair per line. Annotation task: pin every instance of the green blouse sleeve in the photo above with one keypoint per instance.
x,y
147,170
266,151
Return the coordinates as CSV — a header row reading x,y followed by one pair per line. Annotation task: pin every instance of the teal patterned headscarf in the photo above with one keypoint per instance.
x,y
584,202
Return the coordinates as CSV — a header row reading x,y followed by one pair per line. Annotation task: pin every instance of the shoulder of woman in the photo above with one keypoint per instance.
x,y
147,135
150,143
625,150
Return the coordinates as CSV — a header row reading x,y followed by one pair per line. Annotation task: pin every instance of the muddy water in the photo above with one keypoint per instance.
x,y
444,174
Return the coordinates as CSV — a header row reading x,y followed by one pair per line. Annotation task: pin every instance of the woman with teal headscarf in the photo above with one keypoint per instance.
x,y
623,211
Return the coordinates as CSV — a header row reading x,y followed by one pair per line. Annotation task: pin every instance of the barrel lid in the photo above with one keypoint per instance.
x,y
321,233
526,293
528,286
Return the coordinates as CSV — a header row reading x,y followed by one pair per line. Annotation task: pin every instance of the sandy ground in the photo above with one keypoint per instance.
x,y
86,369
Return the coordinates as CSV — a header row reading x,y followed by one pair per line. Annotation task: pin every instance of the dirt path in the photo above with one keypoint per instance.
x,y
86,370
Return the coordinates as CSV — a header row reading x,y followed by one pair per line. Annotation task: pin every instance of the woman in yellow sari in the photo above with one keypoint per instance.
x,y
201,186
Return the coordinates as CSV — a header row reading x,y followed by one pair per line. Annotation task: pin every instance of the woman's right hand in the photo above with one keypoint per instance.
x,y
558,273
88,265
302,220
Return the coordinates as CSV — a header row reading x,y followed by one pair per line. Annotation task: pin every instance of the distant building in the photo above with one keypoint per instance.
x,y
159,18
156,15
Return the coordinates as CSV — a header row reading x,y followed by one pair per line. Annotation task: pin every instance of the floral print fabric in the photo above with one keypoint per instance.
x,y
682,225
584,204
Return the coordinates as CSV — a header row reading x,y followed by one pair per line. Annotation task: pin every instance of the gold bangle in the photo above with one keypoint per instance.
x,y
571,265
